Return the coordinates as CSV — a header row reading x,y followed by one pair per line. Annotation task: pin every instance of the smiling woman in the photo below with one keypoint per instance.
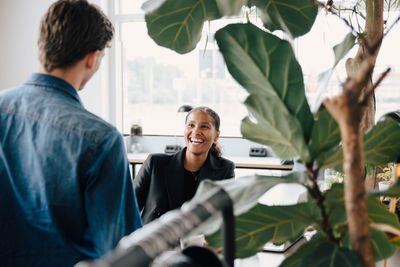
x,y
165,182
201,134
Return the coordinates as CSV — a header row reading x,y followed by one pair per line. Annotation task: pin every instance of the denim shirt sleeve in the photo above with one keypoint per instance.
x,y
110,201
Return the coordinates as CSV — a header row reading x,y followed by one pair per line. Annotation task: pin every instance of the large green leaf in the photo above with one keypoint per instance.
x,y
333,158
393,191
263,224
319,251
344,47
382,142
244,192
229,7
379,214
274,127
334,204
383,248
325,135
381,245
293,17
330,254
381,145
266,65
306,249
395,241
177,24
324,77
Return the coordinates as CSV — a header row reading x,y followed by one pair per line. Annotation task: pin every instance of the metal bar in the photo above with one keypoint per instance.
x,y
142,246
229,235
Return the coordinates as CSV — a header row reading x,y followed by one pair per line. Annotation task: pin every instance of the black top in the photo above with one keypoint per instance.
x,y
160,183
190,183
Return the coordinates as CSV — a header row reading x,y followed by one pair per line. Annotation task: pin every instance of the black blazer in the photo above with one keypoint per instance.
x,y
159,182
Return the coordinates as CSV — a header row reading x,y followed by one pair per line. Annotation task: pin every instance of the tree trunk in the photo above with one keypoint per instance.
x,y
348,116
355,117
374,30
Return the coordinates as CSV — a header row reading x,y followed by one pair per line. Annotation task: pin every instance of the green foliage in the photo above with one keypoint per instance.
x,y
275,127
244,193
382,142
334,203
266,66
378,214
177,24
344,47
279,116
383,248
393,191
264,224
381,145
257,224
325,136
292,17
319,251
229,7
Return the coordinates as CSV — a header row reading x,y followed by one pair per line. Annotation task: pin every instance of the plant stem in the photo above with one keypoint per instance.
x,y
348,111
317,194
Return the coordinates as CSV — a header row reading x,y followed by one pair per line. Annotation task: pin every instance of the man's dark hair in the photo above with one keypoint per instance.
x,y
69,31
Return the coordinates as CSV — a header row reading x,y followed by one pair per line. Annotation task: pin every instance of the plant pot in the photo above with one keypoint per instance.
x,y
384,185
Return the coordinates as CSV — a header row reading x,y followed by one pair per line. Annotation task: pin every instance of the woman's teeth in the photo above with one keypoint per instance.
x,y
197,141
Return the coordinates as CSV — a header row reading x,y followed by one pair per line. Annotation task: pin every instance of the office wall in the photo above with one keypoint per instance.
x,y
19,23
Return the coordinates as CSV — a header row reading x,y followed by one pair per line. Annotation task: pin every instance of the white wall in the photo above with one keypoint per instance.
x,y
19,24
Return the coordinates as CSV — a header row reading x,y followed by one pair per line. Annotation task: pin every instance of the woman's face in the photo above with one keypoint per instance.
x,y
200,132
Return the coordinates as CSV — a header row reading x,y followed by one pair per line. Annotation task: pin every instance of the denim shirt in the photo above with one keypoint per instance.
x,y
66,192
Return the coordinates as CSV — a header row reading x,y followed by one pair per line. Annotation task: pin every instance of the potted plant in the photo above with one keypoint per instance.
x,y
339,136
386,177
136,129
135,134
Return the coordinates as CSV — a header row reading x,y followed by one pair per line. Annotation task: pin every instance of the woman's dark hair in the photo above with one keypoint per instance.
x,y
215,148
69,31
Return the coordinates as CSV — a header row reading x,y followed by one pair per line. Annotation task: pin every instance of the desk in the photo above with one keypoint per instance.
x,y
264,163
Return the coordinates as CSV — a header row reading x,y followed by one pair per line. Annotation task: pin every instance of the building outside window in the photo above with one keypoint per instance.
x,y
155,81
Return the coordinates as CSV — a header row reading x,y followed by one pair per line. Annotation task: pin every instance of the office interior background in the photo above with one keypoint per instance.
x,y
140,82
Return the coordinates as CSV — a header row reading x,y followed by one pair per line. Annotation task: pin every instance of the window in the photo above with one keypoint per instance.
x,y
155,81
328,31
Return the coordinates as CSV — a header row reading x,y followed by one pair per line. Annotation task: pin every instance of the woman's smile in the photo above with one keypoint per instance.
x,y
200,132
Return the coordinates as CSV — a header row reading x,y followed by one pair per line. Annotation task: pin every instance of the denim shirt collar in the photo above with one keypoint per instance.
x,y
52,82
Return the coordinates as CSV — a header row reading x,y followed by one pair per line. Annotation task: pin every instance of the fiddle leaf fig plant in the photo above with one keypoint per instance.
x,y
177,24
265,223
380,145
280,117
294,18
